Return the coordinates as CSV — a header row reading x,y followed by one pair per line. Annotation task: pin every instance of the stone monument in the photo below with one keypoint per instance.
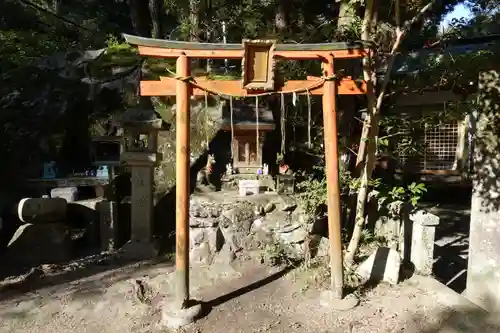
x,y
483,274
141,129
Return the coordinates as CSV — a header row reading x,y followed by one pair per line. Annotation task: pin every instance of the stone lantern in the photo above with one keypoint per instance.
x,y
140,154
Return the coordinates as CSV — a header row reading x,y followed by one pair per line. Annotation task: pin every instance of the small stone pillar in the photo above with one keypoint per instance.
x,y
141,129
422,241
109,230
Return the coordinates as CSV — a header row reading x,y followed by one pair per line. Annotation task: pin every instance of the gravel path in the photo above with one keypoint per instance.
x,y
249,298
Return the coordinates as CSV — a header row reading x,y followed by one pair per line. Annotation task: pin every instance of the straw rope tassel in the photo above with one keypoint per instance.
x,y
309,143
257,141
232,126
283,125
207,134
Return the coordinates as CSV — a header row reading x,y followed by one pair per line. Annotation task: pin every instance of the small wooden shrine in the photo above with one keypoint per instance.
x,y
248,125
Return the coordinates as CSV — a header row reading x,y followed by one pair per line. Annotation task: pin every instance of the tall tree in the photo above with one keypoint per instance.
x,y
140,17
156,13
368,143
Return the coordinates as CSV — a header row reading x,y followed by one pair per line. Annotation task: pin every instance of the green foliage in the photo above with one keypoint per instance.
x,y
313,192
410,194
355,184
275,255
39,106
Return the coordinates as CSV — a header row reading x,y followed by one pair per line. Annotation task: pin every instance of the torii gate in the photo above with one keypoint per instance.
x,y
258,79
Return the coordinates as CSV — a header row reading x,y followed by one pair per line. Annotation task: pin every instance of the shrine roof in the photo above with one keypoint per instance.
x,y
172,49
171,44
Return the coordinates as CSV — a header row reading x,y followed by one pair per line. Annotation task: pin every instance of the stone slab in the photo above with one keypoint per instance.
x,y
382,265
36,244
68,193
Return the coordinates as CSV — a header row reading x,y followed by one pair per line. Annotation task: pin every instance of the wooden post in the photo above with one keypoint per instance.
x,y
182,183
332,177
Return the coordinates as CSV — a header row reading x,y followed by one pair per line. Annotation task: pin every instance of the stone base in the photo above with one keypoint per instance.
x,y
139,250
224,226
328,299
173,317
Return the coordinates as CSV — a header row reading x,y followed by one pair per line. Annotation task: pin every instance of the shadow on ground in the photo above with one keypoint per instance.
x,y
248,288
470,319
109,269
452,246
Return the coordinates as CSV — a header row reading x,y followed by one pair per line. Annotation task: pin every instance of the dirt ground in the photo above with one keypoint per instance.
x,y
244,298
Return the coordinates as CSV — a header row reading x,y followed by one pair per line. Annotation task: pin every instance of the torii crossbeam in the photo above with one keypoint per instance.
x,y
258,79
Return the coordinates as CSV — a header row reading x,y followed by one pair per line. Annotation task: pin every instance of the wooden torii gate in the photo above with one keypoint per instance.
x,y
258,79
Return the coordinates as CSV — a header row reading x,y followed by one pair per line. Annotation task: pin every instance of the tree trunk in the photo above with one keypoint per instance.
x,y
366,139
371,125
194,27
139,14
347,15
209,15
194,24
347,104
55,6
369,76
155,11
281,16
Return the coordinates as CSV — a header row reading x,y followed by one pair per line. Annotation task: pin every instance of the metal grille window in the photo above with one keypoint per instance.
x,y
440,143
439,148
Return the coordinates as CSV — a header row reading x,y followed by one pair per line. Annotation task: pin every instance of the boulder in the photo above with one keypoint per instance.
x,y
204,210
240,217
197,222
319,246
259,210
269,207
212,236
256,225
201,254
235,224
288,205
225,256
276,220
297,235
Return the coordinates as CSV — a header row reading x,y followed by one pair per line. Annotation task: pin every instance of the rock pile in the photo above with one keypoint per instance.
x,y
220,230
